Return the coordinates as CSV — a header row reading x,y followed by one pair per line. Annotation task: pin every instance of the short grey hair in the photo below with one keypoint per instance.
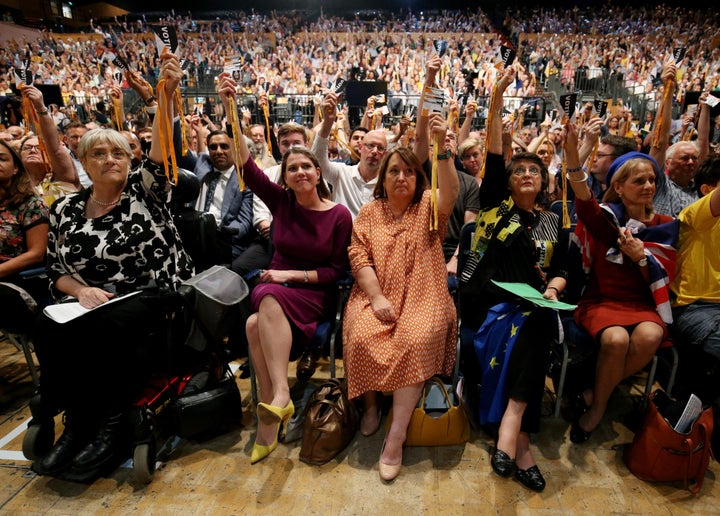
x,y
670,152
96,136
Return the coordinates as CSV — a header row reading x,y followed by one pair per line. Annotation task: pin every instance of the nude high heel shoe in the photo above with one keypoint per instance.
x,y
388,472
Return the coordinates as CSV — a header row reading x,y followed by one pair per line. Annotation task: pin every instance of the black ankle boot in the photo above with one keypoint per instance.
x,y
72,440
110,444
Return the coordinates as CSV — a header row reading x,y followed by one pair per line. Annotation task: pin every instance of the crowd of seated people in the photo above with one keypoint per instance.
x,y
295,54
305,218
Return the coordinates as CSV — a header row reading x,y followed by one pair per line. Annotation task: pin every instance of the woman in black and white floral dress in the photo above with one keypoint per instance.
x,y
112,239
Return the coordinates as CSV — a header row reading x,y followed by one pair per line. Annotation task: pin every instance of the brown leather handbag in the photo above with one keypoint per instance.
x,y
331,421
659,453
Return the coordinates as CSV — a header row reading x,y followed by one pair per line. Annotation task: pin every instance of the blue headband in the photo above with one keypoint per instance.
x,y
624,158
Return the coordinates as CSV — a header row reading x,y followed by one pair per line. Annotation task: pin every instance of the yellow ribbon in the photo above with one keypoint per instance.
x,y
345,145
165,131
659,126
488,125
235,124
117,111
565,212
433,185
267,127
31,118
593,154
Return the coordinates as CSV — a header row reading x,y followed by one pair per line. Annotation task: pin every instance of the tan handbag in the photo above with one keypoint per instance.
x,y
331,421
436,423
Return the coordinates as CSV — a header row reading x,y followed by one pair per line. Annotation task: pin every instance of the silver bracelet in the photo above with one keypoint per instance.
x,y
307,279
585,177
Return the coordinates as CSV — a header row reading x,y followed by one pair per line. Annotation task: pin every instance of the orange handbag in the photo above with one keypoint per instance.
x,y
659,453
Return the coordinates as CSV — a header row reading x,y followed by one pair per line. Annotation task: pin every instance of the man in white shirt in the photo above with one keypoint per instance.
x,y
352,185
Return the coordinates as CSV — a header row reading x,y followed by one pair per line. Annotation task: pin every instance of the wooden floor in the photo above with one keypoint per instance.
x,y
215,476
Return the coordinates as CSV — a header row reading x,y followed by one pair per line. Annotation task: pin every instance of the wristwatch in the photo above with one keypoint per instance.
x,y
446,155
642,262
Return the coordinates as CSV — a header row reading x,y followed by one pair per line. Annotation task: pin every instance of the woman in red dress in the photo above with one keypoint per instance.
x,y
625,305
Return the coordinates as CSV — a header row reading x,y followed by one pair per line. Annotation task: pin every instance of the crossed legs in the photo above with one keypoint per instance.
x,y
270,339
511,439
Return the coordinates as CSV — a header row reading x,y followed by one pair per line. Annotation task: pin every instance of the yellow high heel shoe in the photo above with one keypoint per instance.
x,y
260,451
270,414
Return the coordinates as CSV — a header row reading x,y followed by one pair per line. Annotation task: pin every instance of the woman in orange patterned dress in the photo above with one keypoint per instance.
x,y
400,322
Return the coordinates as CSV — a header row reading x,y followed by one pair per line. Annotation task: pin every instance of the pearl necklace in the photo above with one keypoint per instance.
x,y
102,203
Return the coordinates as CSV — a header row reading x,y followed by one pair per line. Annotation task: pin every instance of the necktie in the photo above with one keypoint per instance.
x,y
212,181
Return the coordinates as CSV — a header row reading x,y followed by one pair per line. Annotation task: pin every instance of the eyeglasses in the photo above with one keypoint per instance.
x,y
533,171
223,146
28,148
374,146
100,155
685,159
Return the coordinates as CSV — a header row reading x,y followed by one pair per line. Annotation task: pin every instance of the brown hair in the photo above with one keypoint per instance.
x,y
409,158
322,189
20,187
290,128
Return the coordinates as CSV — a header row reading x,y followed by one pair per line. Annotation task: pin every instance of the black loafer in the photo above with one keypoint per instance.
x,y
578,405
502,464
577,434
531,478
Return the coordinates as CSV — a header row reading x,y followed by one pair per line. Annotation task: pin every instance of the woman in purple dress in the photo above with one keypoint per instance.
x,y
311,236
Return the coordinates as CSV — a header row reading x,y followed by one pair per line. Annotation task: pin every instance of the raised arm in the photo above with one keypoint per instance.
x,y
496,126
704,127
577,178
172,73
329,169
466,126
422,143
448,184
657,151
62,165
592,134
367,120
226,91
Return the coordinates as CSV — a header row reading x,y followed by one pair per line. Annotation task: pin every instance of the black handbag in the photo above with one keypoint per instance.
x,y
209,409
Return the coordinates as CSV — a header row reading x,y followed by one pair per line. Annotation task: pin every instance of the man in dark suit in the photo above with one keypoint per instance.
x,y
221,197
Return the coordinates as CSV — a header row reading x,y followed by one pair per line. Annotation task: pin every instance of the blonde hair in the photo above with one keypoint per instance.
x,y
96,136
622,174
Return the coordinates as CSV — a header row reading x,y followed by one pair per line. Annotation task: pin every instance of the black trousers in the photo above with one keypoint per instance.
x,y
97,364
528,365
257,256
